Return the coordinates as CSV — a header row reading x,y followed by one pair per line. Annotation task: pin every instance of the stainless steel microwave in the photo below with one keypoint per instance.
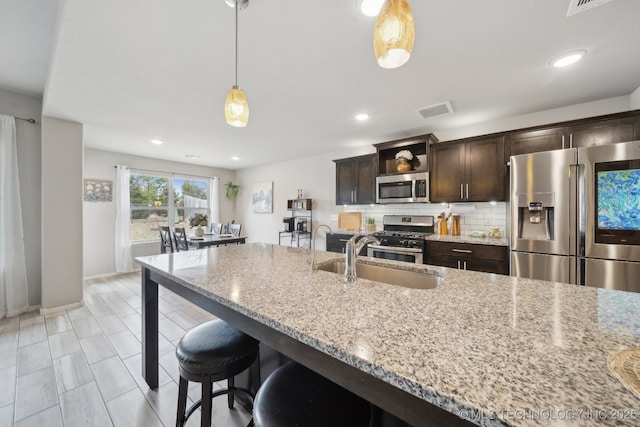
x,y
406,188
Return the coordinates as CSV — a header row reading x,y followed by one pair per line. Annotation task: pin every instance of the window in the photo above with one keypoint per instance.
x,y
160,200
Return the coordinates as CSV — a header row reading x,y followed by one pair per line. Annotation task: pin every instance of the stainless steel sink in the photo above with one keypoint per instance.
x,y
393,276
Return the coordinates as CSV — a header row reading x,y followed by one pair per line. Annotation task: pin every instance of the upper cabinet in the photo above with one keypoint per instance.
x,y
356,180
604,132
471,170
418,146
581,133
534,141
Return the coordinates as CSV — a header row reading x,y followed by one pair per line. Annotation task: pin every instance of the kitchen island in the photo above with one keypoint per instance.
x,y
480,348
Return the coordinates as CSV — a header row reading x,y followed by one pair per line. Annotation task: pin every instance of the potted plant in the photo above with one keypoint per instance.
x,y
231,191
371,224
402,160
198,220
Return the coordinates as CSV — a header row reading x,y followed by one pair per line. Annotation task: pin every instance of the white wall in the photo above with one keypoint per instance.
x,y
635,99
99,224
29,161
62,147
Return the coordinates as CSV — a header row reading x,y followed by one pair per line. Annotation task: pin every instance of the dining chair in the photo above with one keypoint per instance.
x,y
216,228
234,229
180,237
166,241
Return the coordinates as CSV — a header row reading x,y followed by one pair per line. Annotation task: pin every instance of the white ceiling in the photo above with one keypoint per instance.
x,y
134,70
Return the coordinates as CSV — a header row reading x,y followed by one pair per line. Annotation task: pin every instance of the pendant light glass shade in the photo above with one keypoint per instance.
x,y
394,34
236,108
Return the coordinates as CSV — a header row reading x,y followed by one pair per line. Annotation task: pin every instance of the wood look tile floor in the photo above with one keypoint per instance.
x,y
82,367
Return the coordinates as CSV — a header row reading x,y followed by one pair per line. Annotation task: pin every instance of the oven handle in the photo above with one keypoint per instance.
x,y
395,249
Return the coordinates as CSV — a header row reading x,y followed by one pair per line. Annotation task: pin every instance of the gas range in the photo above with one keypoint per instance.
x,y
402,238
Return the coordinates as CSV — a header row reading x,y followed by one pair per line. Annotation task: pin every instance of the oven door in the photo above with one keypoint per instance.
x,y
413,255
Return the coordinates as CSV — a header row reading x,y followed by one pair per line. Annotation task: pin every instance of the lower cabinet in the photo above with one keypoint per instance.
x,y
467,256
337,242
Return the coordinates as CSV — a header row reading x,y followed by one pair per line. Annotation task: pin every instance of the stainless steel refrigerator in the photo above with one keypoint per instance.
x,y
575,216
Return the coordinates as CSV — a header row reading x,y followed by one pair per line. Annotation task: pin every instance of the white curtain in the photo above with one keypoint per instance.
x,y
14,294
214,199
124,262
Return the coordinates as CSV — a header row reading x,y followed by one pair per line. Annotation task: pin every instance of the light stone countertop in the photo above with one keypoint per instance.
x,y
497,349
502,241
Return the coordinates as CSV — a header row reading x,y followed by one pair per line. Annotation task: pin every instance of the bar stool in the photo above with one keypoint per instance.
x,y
208,353
296,396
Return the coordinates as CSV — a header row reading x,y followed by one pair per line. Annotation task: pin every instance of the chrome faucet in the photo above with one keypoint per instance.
x,y
351,253
313,245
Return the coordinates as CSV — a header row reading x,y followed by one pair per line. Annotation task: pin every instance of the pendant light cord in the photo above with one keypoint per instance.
x,y
237,7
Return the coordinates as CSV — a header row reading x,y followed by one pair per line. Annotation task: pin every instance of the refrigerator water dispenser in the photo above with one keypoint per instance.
x,y
535,217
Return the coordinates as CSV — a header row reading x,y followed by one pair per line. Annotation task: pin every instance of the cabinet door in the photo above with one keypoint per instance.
x,y
447,172
442,261
485,170
345,179
605,132
485,266
534,141
365,188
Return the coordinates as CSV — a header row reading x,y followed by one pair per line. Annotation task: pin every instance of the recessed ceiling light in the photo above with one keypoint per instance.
x,y
362,117
371,7
568,59
191,156
156,141
236,158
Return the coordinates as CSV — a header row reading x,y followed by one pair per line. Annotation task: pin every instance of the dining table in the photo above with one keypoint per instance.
x,y
214,240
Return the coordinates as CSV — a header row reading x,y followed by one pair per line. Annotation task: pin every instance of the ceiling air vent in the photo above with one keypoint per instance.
x,y
436,110
577,6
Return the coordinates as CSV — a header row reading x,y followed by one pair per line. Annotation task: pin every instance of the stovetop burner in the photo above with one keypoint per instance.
x,y
405,234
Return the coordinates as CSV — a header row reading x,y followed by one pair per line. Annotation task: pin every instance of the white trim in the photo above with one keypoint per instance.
x,y
114,274
62,308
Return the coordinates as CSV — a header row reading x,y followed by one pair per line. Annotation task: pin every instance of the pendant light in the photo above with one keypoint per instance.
x,y
394,34
236,106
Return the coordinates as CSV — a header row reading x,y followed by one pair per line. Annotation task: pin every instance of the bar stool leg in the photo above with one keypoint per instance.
x,y
182,401
230,396
206,404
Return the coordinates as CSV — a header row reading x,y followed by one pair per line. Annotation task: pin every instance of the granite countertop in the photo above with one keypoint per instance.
x,y
502,241
496,350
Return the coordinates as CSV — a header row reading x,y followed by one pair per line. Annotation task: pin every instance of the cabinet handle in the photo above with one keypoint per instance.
x,y
462,251
563,142
458,264
351,196
570,140
461,192
465,265
355,196
467,191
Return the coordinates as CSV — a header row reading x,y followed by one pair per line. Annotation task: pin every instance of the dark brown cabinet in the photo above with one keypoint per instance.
x,y
356,180
534,141
467,256
581,133
337,242
604,132
468,171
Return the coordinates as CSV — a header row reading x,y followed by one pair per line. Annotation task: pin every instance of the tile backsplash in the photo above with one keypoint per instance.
x,y
473,216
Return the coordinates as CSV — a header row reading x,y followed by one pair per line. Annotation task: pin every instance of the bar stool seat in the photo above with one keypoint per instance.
x,y
296,396
208,353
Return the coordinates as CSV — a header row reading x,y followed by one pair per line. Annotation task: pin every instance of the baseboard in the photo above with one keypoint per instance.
x,y
101,276
62,308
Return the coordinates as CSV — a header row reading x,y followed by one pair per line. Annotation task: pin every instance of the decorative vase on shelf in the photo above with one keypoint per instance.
x,y
403,166
199,232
